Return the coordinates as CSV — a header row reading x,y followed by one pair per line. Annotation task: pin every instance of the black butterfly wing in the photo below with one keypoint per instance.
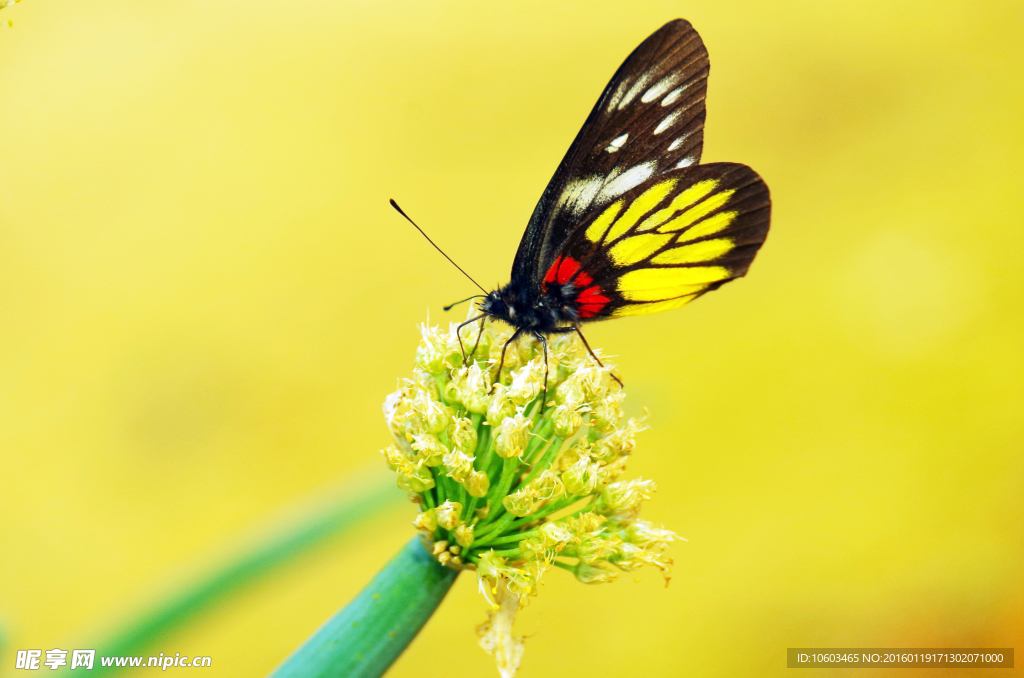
x,y
649,120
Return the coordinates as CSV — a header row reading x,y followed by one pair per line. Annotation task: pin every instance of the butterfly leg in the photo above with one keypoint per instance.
x,y
592,354
478,335
501,364
544,394
458,334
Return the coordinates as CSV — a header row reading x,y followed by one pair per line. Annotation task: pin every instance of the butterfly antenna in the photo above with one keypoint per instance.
x,y
453,305
399,210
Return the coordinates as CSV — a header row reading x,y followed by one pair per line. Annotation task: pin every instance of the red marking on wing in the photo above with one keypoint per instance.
x,y
590,300
567,269
561,271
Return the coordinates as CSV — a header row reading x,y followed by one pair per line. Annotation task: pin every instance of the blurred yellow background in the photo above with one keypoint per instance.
x,y
204,298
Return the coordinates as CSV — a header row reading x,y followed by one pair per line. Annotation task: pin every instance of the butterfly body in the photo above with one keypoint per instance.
x,y
556,307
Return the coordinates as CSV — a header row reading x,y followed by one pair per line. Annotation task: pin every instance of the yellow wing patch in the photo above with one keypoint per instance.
x,y
596,230
685,213
710,226
654,307
696,253
637,248
640,206
698,211
657,284
681,202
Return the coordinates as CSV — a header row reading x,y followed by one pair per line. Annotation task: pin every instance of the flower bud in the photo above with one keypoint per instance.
x,y
454,388
475,391
599,572
491,565
398,413
512,435
464,536
570,392
500,406
527,382
477,484
567,420
426,384
546,486
609,473
532,549
426,521
594,547
519,503
646,534
492,572
429,359
457,465
448,514
431,350
620,442
463,436
581,478
581,448
606,412
394,457
433,414
584,523
415,477
624,496
595,381
555,535
431,450
632,557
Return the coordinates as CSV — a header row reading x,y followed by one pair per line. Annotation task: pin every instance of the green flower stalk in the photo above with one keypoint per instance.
x,y
514,477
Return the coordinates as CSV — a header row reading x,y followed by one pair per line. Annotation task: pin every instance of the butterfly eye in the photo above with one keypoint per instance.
x,y
494,304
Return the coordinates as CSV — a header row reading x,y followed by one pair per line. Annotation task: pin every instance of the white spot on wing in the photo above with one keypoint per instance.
x,y
631,178
617,143
685,162
581,192
614,101
673,95
640,84
679,142
667,122
660,87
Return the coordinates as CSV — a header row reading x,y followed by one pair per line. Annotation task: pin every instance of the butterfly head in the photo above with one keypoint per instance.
x,y
494,305
522,307
505,304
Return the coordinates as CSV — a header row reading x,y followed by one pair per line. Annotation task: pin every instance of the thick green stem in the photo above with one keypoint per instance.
x,y
368,634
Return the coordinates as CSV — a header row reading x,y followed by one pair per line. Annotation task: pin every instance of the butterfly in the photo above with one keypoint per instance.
x,y
632,223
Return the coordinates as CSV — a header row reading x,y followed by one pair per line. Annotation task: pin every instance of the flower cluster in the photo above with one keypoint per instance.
x,y
519,472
